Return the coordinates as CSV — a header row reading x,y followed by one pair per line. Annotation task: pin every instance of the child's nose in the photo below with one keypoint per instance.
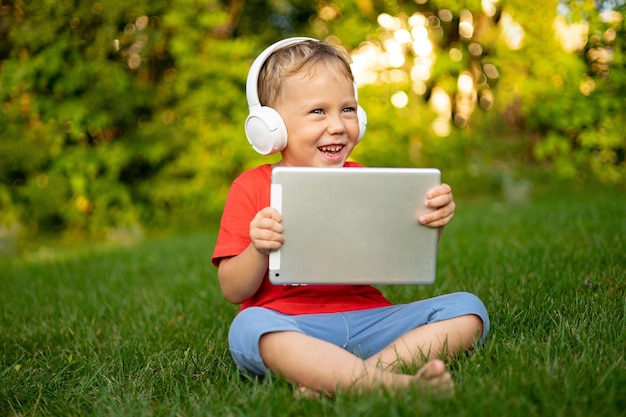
x,y
336,125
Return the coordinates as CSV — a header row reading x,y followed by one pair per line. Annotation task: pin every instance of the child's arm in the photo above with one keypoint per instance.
x,y
241,276
442,201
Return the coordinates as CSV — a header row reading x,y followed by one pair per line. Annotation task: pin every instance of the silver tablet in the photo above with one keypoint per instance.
x,y
353,226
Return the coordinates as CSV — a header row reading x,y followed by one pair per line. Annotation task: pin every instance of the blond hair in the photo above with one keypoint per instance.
x,y
292,59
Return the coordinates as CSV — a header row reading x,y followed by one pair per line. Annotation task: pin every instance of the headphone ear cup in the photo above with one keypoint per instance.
x,y
266,130
362,117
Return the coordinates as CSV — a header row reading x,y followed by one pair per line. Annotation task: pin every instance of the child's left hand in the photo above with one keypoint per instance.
x,y
441,200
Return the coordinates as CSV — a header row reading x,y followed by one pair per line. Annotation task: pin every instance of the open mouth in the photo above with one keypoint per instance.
x,y
331,149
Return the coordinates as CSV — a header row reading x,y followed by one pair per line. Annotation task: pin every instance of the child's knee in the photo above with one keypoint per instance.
x,y
468,305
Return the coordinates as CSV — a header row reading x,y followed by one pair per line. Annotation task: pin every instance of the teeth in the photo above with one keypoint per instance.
x,y
330,149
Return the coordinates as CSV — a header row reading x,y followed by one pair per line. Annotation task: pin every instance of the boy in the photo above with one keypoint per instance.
x,y
324,338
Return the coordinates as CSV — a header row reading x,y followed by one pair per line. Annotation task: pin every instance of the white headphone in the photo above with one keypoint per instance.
x,y
264,127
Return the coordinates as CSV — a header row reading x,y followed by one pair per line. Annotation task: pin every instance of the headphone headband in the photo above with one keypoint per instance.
x,y
252,84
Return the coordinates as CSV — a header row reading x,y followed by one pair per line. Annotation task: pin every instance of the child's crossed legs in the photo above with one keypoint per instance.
x,y
324,352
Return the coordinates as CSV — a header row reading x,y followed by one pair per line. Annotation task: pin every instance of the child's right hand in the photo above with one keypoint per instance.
x,y
266,230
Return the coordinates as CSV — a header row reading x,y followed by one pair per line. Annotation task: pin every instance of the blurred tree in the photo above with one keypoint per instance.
x,y
72,85
491,72
118,114
581,125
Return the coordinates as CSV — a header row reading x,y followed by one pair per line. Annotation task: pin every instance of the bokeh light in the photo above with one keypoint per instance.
x,y
406,52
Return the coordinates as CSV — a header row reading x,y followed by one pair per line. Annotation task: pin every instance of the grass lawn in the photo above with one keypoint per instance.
x,y
141,330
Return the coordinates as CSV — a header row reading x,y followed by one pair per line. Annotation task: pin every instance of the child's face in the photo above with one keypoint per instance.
x,y
319,110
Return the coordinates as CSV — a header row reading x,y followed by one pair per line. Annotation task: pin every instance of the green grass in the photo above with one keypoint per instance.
x,y
141,330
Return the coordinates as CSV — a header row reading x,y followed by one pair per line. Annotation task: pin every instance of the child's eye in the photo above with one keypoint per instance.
x,y
318,111
349,110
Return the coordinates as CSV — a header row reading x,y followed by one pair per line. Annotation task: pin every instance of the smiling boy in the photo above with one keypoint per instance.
x,y
326,337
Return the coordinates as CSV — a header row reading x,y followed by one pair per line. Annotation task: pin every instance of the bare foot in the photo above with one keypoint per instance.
x,y
304,392
434,374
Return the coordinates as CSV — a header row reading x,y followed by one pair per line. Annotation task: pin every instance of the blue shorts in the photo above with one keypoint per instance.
x,y
362,332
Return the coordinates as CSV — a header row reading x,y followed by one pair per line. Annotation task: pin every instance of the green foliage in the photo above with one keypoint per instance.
x,y
118,115
582,115
69,106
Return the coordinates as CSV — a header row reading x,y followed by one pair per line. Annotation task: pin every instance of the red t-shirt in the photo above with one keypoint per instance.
x,y
250,193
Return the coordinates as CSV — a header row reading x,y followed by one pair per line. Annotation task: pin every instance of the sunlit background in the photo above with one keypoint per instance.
x,y
117,115
407,50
